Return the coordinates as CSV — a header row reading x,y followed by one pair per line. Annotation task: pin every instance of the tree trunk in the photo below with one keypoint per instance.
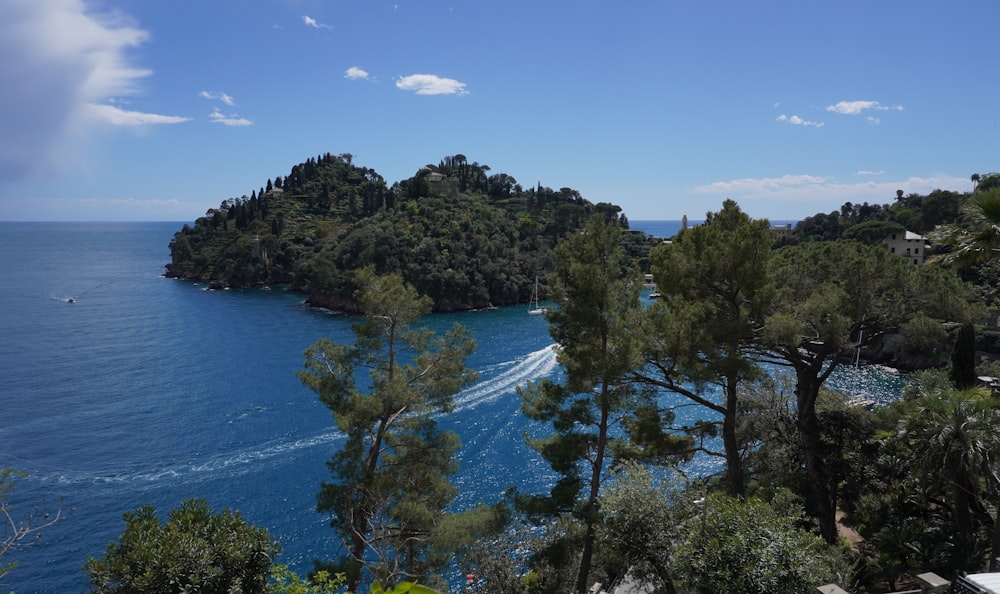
x,y
734,463
965,537
824,494
356,563
590,512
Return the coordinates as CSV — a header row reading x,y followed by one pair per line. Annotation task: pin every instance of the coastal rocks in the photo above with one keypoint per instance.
x,y
892,351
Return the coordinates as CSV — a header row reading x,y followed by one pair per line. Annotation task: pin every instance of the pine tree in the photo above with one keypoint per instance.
x,y
598,307
390,482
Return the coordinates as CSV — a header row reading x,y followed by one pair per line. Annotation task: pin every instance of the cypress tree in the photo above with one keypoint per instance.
x,y
963,358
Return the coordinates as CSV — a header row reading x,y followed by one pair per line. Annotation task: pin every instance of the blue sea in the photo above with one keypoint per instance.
x,y
148,390
665,229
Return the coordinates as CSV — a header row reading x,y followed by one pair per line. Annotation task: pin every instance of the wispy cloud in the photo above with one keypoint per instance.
x,y
880,172
225,98
311,22
355,73
77,61
760,185
795,190
796,120
857,107
431,84
217,117
117,116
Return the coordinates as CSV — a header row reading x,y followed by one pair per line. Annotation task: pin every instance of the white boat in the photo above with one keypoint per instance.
x,y
534,309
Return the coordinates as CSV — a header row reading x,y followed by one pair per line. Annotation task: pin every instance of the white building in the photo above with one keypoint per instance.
x,y
908,245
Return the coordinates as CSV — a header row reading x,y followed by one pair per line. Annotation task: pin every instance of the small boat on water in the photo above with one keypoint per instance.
x,y
534,308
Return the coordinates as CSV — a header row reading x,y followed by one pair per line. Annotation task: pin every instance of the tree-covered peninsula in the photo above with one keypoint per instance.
x,y
463,237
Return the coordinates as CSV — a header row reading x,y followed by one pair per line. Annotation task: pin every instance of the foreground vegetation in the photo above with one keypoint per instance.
x,y
918,480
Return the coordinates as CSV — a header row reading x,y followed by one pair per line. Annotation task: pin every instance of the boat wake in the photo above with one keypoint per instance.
x,y
229,465
534,366
505,379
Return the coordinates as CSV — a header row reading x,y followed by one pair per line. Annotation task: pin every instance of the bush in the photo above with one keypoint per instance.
x,y
195,551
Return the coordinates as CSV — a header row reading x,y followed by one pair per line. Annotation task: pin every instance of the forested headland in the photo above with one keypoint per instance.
x,y
465,237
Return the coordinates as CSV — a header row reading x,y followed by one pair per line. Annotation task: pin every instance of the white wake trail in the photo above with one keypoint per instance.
x,y
534,366
519,372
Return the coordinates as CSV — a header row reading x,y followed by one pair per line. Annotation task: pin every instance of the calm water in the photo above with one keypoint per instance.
x,y
667,228
146,390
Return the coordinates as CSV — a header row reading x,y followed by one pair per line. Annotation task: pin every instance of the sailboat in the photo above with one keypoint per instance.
x,y
534,309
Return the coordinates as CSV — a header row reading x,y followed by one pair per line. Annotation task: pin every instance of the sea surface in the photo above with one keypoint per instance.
x,y
665,229
122,388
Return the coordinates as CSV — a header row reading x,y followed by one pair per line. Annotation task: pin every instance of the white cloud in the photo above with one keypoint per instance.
x,y
753,186
311,22
880,172
62,64
856,107
224,97
431,84
218,117
796,120
796,192
355,73
119,117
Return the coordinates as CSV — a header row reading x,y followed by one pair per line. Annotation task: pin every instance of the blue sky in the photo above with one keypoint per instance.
x,y
161,109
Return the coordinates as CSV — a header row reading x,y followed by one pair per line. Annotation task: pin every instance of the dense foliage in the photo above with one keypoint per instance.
x,y
194,551
462,237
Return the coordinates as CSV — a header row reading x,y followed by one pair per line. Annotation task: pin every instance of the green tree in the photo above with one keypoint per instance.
x,y
963,358
976,238
953,439
597,299
285,581
923,335
641,522
872,232
747,546
835,298
714,293
391,478
194,551
940,207
988,181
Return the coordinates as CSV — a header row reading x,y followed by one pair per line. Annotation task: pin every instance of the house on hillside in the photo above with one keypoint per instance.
x,y
434,177
781,231
908,245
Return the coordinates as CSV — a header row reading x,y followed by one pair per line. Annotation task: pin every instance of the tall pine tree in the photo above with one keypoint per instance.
x,y
595,411
391,479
